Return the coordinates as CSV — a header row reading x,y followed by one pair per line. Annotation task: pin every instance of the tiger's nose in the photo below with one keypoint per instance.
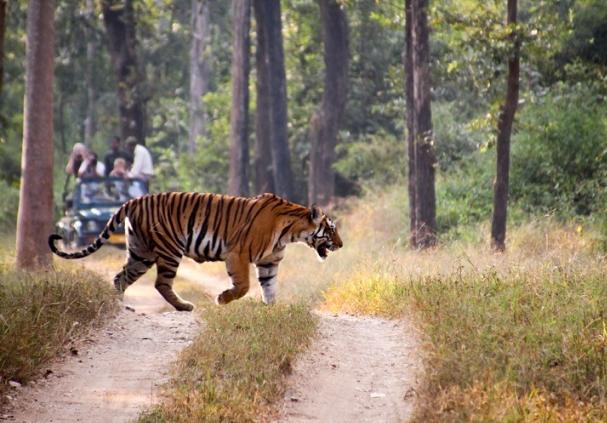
x,y
339,243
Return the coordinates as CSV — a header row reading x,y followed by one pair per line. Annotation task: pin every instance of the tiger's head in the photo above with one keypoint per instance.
x,y
324,237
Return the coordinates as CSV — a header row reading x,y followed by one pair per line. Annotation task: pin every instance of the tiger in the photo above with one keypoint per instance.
x,y
163,228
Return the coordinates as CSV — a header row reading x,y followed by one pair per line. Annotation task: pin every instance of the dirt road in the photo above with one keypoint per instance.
x,y
116,372
360,369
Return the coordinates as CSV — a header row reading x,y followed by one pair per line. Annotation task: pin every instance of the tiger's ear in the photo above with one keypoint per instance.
x,y
315,214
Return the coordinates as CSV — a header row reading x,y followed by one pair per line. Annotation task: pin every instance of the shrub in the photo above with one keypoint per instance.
x,y
464,196
378,159
454,138
559,156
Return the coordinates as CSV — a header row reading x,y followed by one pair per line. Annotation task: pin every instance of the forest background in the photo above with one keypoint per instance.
x,y
519,336
559,148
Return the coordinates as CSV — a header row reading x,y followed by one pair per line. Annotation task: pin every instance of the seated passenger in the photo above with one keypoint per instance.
x,y
119,169
115,153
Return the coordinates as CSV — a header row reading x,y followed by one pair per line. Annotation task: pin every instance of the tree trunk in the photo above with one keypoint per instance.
x,y
35,218
410,124
504,130
199,70
425,161
2,31
264,174
89,122
327,119
119,19
238,183
268,15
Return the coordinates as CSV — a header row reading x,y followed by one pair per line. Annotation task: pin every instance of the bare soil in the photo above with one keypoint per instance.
x,y
360,369
115,373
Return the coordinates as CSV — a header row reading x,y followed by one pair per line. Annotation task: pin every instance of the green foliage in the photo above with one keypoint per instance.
x,y
588,37
455,138
559,156
8,206
378,159
464,195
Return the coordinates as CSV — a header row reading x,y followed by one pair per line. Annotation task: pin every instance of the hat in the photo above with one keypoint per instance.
x,y
131,140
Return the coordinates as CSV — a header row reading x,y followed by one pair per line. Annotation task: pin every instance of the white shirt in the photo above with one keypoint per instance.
x,y
100,168
143,166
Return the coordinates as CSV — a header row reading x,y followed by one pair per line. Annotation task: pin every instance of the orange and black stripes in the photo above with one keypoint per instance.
x,y
163,228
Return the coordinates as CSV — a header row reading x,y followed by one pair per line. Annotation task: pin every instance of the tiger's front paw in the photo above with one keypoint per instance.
x,y
268,300
222,298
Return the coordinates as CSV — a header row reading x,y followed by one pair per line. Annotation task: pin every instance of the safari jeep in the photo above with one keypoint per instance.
x,y
91,204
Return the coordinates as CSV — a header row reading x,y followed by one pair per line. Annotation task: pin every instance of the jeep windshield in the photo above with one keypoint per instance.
x,y
100,192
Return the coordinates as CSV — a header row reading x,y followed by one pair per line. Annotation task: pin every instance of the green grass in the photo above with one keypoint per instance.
x,y
535,342
237,366
41,311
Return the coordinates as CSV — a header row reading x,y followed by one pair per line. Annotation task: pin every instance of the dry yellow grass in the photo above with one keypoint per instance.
x,y
41,311
236,367
517,336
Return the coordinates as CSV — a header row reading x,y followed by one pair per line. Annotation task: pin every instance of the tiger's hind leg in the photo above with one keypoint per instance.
x,y
266,275
139,259
167,269
134,268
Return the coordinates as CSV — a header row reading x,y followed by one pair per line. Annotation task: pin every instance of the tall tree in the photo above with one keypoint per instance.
x,y
119,19
327,119
2,31
425,161
35,216
238,183
504,131
267,13
408,62
264,174
199,70
89,122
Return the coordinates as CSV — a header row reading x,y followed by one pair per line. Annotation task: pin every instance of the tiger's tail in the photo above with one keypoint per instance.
x,y
110,228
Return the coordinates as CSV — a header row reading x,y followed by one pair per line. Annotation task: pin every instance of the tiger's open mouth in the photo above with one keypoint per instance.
x,y
322,250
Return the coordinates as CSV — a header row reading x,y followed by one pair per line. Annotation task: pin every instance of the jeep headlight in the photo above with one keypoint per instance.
x,y
91,226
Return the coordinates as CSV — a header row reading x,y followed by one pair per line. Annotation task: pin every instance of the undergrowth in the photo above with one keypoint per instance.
x,y
236,367
527,346
520,336
41,311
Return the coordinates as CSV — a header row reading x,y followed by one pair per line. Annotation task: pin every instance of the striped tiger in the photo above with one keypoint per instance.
x,y
162,228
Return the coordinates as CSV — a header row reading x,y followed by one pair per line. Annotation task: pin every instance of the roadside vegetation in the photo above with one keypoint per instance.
x,y
519,336
40,312
237,366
